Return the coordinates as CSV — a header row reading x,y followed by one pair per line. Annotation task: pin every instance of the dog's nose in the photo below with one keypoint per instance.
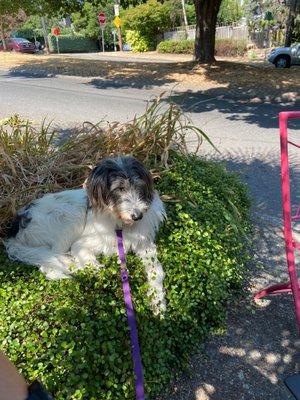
x,y
136,215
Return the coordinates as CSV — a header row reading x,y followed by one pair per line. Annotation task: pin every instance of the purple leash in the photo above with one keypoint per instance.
x,y
135,347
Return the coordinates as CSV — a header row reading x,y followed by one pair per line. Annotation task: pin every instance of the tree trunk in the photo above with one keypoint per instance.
x,y
45,34
290,23
206,21
2,33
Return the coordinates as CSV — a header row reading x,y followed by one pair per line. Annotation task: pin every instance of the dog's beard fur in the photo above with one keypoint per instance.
x,y
74,226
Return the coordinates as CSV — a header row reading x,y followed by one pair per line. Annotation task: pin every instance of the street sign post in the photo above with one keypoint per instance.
x,y
102,22
114,32
117,9
56,33
118,23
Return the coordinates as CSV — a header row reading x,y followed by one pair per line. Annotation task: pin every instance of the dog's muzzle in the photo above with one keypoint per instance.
x,y
136,215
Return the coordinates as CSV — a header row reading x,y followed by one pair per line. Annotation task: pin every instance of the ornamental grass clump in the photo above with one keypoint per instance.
x,y
34,161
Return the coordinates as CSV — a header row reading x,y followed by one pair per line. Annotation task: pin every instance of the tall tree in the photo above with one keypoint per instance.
x,y
230,11
206,20
10,16
11,9
294,9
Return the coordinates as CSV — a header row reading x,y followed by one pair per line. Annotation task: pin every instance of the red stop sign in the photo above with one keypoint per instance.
x,y
101,18
56,31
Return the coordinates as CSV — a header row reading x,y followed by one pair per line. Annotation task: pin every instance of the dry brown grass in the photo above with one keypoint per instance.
x,y
240,75
34,161
229,74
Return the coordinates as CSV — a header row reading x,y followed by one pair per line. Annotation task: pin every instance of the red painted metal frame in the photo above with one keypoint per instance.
x,y
293,286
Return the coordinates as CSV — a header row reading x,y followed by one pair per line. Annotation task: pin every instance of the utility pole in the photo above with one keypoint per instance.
x,y
45,34
118,26
184,13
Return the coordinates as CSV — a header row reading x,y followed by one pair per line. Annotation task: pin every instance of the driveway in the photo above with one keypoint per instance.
x,y
261,345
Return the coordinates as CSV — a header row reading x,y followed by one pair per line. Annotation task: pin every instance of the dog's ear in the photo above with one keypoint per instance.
x,y
97,185
141,171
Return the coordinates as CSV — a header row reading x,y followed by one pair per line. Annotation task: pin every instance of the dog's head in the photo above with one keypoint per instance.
x,y
121,186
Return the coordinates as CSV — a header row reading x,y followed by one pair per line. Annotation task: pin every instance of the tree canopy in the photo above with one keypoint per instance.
x,y
39,7
230,11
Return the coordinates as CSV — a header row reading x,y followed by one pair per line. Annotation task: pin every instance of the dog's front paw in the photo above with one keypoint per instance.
x,y
96,265
55,273
159,308
91,263
158,303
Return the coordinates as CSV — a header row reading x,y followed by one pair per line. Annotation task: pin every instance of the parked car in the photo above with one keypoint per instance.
x,y
19,44
284,57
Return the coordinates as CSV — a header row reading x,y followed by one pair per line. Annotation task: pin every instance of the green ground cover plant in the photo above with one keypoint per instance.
x,y
73,334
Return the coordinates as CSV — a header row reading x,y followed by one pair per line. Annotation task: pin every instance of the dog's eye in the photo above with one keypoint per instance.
x,y
121,189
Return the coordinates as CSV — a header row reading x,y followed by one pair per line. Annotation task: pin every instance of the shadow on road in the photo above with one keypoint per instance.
x,y
241,107
260,170
259,349
232,77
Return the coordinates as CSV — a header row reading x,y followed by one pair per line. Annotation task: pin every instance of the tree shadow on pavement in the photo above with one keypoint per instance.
x,y
104,74
249,78
260,170
238,107
238,78
260,348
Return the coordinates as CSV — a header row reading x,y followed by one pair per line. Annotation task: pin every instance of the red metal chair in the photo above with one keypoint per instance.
x,y
290,244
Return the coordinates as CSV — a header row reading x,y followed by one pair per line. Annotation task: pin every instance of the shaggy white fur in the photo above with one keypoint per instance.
x,y
63,231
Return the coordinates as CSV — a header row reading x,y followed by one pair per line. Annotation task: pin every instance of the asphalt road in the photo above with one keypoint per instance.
x,y
68,101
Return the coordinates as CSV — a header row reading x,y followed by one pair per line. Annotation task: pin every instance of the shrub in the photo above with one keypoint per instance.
x,y
230,11
138,43
190,14
224,47
176,46
149,19
72,44
73,334
230,47
33,161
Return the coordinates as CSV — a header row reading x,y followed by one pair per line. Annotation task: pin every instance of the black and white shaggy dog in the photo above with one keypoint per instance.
x,y
70,228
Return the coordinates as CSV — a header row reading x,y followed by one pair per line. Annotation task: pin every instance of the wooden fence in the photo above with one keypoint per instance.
x,y
260,39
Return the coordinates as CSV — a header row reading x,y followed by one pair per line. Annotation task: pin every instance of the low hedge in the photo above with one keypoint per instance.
x,y
224,47
72,44
176,46
73,334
